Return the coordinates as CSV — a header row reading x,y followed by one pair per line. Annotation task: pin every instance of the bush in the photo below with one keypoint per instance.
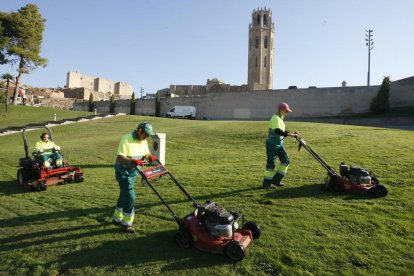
x,y
158,106
380,103
91,102
112,106
2,97
133,101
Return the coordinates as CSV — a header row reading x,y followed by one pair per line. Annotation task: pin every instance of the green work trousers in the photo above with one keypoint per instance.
x,y
272,176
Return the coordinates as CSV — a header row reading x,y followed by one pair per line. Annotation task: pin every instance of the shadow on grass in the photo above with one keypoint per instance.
x,y
143,252
313,190
48,237
98,214
10,188
141,249
307,190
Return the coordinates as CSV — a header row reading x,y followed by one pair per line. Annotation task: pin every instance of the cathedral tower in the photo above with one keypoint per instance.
x,y
261,41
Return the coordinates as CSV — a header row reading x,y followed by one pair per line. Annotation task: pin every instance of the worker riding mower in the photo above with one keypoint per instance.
x,y
33,176
353,179
210,227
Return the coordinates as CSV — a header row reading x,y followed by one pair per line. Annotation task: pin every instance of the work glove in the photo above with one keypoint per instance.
x,y
152,158
137,162
41,150
57,148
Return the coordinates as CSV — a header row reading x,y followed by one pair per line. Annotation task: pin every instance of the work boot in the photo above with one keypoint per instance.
x,y
270,186
114,222
279,184
128,229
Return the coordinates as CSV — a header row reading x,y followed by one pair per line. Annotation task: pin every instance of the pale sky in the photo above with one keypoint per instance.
x,y
153,44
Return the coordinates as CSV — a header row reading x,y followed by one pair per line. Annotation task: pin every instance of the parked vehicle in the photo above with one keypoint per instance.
x,y
188,112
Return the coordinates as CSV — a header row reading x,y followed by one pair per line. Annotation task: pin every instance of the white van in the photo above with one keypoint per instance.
x,y
188,112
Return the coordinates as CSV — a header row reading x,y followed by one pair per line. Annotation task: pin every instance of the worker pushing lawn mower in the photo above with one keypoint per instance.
x,y
209,227
48,167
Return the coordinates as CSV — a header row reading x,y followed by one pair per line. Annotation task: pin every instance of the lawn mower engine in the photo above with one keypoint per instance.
x,y
218,221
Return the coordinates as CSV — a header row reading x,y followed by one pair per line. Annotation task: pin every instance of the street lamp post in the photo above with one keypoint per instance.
x,y
369,43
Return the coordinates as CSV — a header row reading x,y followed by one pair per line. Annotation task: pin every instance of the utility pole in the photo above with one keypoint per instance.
x,y
369,43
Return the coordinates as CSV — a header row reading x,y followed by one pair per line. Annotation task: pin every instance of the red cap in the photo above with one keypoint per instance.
x,y
284,106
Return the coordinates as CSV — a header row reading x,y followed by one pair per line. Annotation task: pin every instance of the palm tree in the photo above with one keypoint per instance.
x,y
7,77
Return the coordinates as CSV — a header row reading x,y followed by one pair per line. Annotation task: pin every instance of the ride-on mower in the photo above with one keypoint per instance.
x,y
354,180
33,176
210,227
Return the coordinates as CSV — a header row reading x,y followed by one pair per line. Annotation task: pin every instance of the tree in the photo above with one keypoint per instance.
x,y
380,103
24,30
4,39
133,102
90,102
158,105
7,77
112,106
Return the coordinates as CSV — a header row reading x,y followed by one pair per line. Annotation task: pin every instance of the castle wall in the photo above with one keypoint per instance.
x,y
78,80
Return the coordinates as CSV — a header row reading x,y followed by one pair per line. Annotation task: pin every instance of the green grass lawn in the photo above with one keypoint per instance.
x,y
20,115
305,230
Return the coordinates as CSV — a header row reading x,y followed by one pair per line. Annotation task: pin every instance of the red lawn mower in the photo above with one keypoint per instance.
x,y
354,180
209,227
33,176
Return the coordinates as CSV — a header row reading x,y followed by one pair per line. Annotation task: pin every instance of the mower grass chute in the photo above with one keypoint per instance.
x,y
353,179
33,176
209,227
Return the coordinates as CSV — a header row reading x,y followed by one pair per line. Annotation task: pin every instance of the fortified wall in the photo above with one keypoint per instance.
x,y
260,105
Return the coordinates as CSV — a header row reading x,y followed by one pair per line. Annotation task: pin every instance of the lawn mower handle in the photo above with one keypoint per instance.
x,y
316,156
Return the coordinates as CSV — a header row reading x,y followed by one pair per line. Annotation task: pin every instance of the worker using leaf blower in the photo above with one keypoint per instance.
x,y
132,149
275,148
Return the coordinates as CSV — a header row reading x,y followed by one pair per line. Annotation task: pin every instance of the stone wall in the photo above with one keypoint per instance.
x,y
57,103
259,105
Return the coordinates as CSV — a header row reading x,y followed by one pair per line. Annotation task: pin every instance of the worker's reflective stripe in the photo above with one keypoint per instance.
x,y
282,168
268,174
117,216
127,219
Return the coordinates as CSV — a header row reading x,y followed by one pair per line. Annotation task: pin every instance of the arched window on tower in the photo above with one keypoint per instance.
x,y
264,62
256,61
250,44
258,19
257,42
265,42
264,19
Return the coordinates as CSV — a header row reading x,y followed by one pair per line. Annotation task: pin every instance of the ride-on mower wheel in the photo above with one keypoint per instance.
x,y
42,186
378,191
254,228
23,175
78,177
183,239
235,251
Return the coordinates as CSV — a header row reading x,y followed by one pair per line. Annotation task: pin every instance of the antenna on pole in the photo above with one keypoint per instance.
x,y
369,44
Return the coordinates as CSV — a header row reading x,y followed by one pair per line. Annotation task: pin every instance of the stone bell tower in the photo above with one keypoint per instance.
x,y
261,41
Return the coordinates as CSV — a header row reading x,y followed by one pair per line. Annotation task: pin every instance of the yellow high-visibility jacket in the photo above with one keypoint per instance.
x,y
47,146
